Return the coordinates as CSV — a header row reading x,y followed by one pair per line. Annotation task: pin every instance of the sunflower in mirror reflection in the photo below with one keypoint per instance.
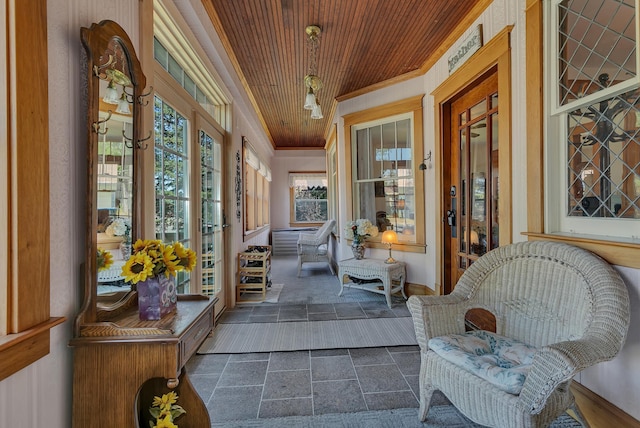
x,y
164,410
104,259
152,258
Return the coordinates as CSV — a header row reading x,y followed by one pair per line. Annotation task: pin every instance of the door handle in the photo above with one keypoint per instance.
x,y
451,217
224,226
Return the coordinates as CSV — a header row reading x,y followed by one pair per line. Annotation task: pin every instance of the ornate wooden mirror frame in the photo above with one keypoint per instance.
x,y
110,61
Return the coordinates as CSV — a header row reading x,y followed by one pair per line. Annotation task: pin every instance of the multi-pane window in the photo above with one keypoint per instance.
x,y
383,180
257,180
596,107
309,203
171,179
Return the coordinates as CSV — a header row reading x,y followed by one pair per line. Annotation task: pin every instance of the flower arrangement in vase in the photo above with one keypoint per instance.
x,y
358,231
165,410
121,227
151,267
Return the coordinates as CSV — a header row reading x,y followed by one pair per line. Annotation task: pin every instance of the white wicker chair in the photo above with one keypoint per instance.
x,y
314,247
567,302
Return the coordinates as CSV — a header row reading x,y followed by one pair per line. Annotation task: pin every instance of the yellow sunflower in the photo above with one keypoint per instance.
x,y
165,401
170,261
165,422
137,268
104,259
186,256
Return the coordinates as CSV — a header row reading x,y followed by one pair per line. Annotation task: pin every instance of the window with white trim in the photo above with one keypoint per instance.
x,y
257,181
309,203
594,118
383,181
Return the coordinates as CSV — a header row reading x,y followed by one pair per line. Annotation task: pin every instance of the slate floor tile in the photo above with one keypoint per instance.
x,y
322,316
328,352
295,360
244,373
204,385
381,378
233,403
263,318
287,384
320,308
341,396
207,364
408,362
332,368
368,356
289,407
390,400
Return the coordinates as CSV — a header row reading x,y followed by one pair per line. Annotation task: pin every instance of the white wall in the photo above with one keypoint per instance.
x,y
284,162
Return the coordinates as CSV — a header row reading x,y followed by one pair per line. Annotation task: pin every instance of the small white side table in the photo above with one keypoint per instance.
x,y
373,269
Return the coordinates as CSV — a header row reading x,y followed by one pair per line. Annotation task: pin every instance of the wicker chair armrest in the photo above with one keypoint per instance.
x,y
556,364
435,316
309,249
308,239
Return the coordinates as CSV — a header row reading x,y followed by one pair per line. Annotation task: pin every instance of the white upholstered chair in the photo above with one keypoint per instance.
x,y
567,303
314,247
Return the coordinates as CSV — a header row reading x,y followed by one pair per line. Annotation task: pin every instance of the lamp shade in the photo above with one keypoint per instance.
x,y
123,105
316,113
389,237
111,94
310,100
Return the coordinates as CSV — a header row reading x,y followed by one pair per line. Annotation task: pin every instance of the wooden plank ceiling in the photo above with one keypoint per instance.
x,y
364,45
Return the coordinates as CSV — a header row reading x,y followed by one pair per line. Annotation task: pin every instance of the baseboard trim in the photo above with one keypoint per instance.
x,y
599,412
420,290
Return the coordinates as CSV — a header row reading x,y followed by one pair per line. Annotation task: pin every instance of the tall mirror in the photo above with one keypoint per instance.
x,y
115,85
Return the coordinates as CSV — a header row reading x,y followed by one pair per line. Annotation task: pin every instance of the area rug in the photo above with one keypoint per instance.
x,y
439,417
272,296
304,335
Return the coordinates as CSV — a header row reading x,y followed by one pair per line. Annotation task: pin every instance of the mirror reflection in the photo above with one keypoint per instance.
x,y
114,184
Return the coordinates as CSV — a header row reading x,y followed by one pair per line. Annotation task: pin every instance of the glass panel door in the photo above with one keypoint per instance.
x,y
212,221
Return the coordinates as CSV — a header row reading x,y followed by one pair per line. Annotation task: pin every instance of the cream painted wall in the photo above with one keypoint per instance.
x,y
284,162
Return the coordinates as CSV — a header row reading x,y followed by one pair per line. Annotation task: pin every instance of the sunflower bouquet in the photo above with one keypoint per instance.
x,y
152,258
104,259
165,410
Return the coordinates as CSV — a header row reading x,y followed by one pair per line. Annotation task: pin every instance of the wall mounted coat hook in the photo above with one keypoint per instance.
x,y
141,97
143,146
96,125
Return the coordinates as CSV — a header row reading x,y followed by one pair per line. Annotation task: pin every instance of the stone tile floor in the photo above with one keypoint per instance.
x,y
275,312
315,382
303,383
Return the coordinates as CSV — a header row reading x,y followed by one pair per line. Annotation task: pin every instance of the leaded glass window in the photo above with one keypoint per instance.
x,y
599,106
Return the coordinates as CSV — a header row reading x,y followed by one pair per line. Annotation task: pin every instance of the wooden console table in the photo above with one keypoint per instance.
x,y
373,269
120,365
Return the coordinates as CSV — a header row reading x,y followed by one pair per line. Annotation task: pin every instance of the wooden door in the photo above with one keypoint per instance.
x,y
471,209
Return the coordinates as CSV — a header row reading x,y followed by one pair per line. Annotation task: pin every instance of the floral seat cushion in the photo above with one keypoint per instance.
x,y
499,360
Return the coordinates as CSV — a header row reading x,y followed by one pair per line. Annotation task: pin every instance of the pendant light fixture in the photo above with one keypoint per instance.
x,y
311,81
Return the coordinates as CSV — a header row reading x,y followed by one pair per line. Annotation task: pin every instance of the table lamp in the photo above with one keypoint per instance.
x,y
389,237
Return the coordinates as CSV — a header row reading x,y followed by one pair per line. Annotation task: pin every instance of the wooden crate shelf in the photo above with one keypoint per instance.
x,y
252,276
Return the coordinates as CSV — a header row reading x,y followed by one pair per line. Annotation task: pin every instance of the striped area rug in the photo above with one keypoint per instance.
x,y
305,335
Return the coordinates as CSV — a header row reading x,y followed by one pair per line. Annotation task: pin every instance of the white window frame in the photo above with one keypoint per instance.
x,y
293,176
556,182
